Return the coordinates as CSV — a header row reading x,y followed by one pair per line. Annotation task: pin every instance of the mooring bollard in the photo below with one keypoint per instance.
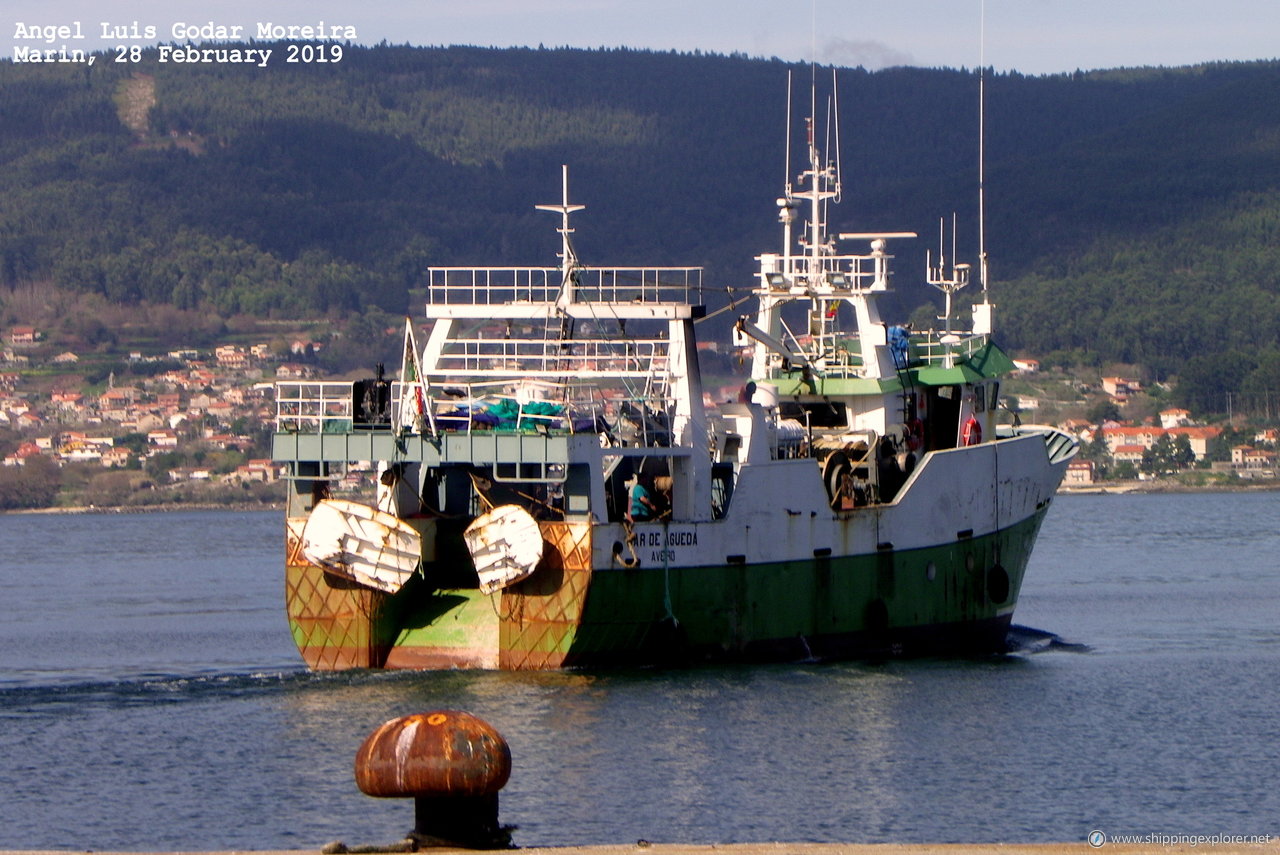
x,y
452,764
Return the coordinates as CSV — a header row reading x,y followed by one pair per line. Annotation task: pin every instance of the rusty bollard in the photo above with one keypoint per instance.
x,y
452,764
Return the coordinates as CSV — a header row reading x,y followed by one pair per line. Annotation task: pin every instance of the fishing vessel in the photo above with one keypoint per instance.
x,y
579,499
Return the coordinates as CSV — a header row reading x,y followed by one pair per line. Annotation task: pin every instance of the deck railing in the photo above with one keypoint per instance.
x,y
548,358
487,286
934,347
315,407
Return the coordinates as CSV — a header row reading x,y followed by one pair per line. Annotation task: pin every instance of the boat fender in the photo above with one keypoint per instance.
x,y
971,433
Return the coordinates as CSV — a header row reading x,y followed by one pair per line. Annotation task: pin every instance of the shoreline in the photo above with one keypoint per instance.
x,y
1123,487
79,510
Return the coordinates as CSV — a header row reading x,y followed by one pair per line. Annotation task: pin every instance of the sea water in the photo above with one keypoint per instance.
x,y
151,698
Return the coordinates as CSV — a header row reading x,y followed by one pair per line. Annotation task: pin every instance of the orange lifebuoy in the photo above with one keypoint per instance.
x,y
971,433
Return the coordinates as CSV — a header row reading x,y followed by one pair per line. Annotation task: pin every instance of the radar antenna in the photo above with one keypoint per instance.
x,y
948,282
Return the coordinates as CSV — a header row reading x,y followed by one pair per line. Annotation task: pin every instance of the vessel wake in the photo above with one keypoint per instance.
x,y
1027,640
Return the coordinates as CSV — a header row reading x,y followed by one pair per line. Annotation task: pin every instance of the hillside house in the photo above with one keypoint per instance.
x,y
173,379
231,356
1129,454
1080,473
1079,428
304,347
1174,418
264,471
1198,437
147,422
227,441
68,402
119,395
1120,389
20,455
119,413
1248,457
1027,366
163,439
221,410
23,335
294,371
83,452
1143,436
117,458
168,403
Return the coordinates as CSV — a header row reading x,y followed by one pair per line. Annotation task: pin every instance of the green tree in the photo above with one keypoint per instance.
x,y
1124,471
1211,382
1105,410
1160,458
34,484
1183,455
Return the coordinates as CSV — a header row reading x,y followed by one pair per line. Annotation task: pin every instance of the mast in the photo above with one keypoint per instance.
x,y
568,258
813,273
982,315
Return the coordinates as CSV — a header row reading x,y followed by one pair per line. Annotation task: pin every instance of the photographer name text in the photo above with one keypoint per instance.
x,y
316,43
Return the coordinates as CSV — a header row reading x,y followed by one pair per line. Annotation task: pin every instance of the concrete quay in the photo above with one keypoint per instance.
x,y
1270,847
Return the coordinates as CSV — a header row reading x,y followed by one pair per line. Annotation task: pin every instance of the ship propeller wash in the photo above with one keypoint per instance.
x,y
570,497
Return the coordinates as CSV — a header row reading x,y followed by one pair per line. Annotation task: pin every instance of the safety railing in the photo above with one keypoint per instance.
x,y
316,407
487,286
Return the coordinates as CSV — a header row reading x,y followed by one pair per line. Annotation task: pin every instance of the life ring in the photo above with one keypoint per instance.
x,y
971,433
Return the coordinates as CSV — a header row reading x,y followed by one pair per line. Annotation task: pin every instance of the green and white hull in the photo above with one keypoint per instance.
x,y
780,577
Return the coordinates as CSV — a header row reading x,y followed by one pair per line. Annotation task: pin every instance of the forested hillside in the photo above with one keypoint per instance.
x,y
1134,215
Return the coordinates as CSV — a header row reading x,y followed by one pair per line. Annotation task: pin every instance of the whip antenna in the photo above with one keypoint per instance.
x,y
786,179
982,150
